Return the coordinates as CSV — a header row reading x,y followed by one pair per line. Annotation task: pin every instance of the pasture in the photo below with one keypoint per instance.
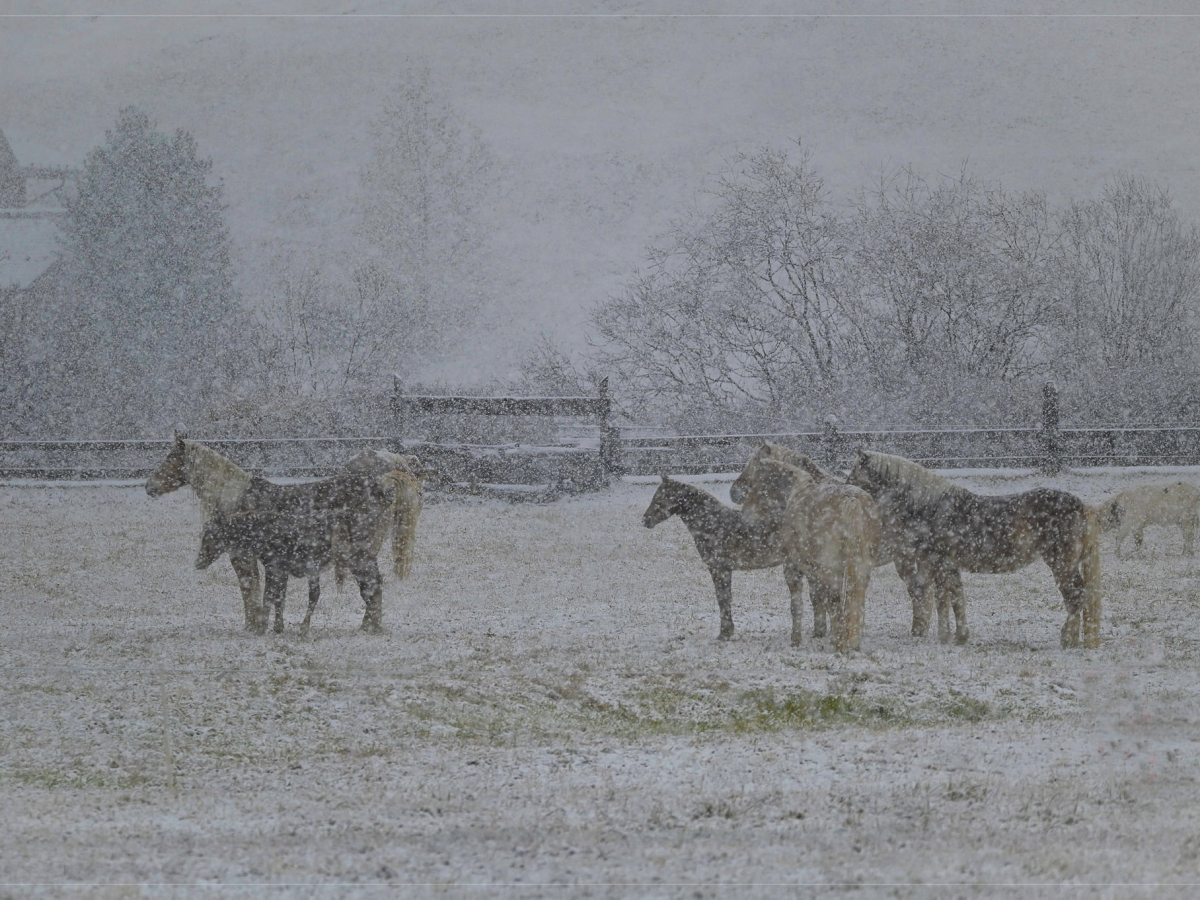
x,y
548,705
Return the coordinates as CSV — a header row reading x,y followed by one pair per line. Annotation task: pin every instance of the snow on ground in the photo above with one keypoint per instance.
x,y
549,705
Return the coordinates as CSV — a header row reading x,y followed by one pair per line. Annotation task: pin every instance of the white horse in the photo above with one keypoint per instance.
x,y
1171,503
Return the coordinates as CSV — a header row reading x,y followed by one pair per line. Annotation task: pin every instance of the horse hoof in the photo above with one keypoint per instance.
x,y
371,628
962,638
725,635
820,632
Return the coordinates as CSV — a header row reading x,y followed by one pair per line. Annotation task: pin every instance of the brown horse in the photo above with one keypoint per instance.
x,y
291,530
939,529
219,484
725,538
813,537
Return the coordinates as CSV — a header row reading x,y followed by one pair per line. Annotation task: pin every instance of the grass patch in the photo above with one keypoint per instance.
x,y
966,709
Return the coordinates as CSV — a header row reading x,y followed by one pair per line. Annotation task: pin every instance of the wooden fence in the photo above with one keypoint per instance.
x,y
589,464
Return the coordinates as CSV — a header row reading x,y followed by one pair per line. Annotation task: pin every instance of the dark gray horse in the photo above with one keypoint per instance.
x,y
291,529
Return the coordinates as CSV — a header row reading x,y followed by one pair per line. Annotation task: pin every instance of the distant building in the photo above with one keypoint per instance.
x,y
31,200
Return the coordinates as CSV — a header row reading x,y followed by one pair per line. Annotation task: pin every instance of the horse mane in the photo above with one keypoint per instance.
x,y
215,479
692,492
922,485
801,461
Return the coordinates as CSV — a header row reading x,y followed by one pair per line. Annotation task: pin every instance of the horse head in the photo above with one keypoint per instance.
x,y
662,504
171,473
745,481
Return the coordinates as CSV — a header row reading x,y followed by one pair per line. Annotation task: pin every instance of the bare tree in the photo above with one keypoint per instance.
x,y
1131,271
317,339
743,303
956,277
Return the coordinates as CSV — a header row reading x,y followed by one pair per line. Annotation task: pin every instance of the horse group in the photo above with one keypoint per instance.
x,y
299,529
792,513
888,510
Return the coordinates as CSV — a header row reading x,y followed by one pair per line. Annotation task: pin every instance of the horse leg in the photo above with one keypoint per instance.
x,y
1070,584
370,585
952,590
274,593
1139,538
723,582
916,579
1189,535
795,583
246,569
314,594
942,577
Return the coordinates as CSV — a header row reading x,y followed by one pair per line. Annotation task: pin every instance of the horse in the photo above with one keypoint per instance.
x,y
742,484
728,539
830,531
219,484
291,530
769,505
938,529
1173,503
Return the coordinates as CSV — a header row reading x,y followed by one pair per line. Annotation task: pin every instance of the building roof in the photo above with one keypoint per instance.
x,y
27,249
27,232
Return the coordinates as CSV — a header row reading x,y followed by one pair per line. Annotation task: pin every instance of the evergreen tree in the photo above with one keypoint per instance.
x,y
149,276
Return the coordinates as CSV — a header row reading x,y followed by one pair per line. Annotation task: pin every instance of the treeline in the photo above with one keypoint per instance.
x,y
943,302
140,324
935,303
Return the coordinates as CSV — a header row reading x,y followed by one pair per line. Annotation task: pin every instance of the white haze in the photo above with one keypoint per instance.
x,y
604,124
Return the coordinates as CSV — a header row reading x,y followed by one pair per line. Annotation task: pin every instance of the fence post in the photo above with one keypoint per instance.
x,y
1051,445
399,416
610,436
831,442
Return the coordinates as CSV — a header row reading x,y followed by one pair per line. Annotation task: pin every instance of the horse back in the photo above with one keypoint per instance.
x,y
1004,533
833,524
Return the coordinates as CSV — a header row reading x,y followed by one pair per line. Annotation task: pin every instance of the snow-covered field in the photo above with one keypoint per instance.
x,y
549,705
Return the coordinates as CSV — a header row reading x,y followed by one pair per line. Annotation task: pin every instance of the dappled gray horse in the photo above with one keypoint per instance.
x,y
940,529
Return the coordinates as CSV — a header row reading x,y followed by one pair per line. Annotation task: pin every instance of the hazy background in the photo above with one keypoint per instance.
x,y
603,125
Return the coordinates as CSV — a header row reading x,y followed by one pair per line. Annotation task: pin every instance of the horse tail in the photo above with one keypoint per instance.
x,y
848,624
405,510
1090,567
858,559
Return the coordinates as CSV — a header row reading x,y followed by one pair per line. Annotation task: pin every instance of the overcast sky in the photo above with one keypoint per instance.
x,y
604,126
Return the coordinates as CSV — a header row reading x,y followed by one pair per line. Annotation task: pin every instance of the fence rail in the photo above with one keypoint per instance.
x,y
588,464
581,466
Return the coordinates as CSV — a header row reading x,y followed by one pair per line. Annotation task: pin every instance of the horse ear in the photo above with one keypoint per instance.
x,y
860,452
179,433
